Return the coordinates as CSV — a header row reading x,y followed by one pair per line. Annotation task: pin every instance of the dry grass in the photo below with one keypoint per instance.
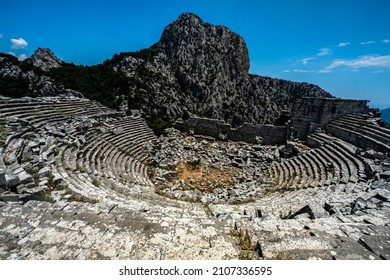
x,y
204,178
300,145
245,243
244,239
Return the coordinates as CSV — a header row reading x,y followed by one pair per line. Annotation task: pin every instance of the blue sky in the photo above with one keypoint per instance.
x,y
343,46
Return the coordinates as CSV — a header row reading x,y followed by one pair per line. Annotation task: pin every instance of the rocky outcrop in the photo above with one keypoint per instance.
x,y
41,85
44,59
203,69
8,69
27,78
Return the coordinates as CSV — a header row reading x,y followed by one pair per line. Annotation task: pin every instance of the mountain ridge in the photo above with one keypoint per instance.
x,y
196,68
386,115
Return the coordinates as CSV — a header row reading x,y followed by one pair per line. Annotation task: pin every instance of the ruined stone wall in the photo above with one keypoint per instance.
x,y
309,113
203,126
264,134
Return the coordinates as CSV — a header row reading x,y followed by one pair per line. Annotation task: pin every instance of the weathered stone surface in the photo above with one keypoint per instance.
x,y
383,194
13,151
385,175
44,59
227,180
309,114
352,250
9,197
381,184
3,181
24,177
12,180
269,134
117,131
379,245
8,69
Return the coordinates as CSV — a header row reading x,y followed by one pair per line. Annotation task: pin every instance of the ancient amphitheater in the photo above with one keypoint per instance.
x,y
81,181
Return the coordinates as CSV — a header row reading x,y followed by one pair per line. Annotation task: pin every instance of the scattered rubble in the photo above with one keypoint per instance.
x,y
215,171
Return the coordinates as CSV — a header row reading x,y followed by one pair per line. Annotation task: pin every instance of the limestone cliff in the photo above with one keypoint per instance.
x,y
203,69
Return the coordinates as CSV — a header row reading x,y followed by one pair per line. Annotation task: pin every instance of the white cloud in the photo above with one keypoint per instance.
x,y
381,61
296,71
18,43
324,51
325,71
367,43
306,60
386,41
344,44
21,57
1,35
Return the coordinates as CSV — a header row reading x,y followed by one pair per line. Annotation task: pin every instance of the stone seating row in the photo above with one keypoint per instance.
x,y
330,162
39,111
94,157
362,131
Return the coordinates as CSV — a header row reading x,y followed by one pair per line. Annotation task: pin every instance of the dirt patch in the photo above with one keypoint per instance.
x,y
204,178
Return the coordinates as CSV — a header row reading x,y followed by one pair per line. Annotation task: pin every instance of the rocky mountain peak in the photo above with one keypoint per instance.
x,y
45,59
189,18
203,69
201,51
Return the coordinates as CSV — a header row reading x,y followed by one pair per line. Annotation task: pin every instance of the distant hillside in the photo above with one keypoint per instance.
x,y
386,115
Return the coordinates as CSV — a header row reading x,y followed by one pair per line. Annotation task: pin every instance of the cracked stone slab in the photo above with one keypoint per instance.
x,y
379,245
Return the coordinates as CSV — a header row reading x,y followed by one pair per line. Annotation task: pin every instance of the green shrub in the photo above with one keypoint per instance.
x,y
99,82
14,87
158,125
95,182
3,135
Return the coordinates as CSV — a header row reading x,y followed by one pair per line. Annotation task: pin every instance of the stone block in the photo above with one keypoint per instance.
x,y
44,172
3,181
379,245
101,129
13,151
383,195
385,175
12,180
117,131
9,197
24,177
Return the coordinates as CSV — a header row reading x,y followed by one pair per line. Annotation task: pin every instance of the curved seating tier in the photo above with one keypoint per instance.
x,y
363,131
91,147
112,160
331,162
